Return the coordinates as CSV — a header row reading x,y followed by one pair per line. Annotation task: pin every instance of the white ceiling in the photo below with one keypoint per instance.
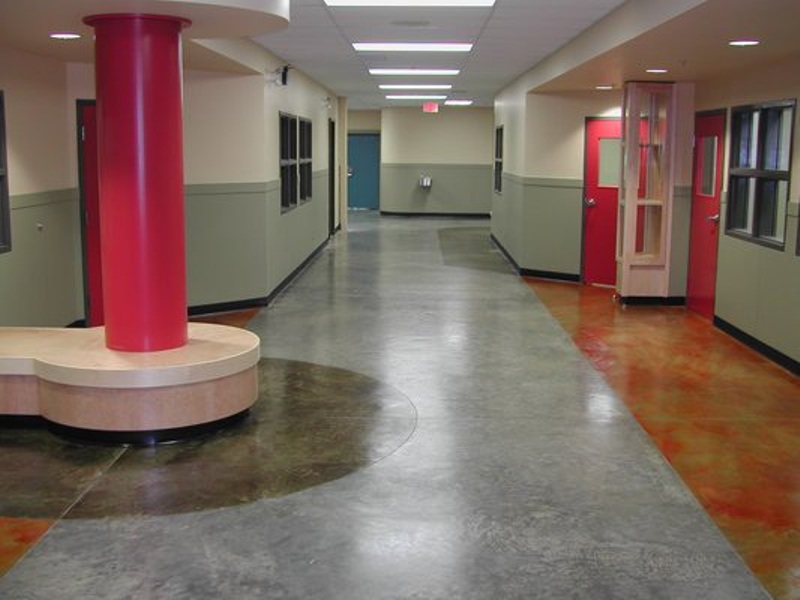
x,y
509,39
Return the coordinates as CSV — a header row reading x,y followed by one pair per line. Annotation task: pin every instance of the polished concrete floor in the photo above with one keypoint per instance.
x,y
426,429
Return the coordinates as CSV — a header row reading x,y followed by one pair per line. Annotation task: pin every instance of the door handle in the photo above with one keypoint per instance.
x,y
349,171
713,218
590,202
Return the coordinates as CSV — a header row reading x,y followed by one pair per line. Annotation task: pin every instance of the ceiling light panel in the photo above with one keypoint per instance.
x,y
416,86
411,47
459,102
414,72
415,97
413,3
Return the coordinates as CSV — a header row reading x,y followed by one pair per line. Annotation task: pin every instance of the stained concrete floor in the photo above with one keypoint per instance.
x,y
493,461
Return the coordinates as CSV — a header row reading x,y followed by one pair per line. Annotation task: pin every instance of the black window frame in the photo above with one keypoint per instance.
x,y
498,159
304,162
288,160
757,185
5,205
295,160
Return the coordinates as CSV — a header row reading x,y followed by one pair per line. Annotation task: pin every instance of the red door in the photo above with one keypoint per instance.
x,y
601,185
90,207
709,134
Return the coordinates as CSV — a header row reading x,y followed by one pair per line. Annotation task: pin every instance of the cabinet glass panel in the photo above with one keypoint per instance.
x,y
648,230
651,139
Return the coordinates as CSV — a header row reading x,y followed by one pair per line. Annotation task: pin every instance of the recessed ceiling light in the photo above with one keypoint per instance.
x,y
459,102
417,86
414,72
418,3
743,43
657,70
604,87
415,97
411,47
64,35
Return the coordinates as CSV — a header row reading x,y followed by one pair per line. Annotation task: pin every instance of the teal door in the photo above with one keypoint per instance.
x,y
363,185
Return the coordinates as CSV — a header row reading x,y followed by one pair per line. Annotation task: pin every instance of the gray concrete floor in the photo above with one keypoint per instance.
x,y
522,475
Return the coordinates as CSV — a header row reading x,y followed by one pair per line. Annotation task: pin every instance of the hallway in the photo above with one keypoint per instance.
x,y
426,430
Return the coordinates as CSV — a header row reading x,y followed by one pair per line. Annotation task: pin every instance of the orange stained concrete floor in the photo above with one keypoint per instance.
x,y
726,418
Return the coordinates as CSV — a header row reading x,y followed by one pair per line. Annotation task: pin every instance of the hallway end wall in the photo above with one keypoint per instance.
x,y
453,147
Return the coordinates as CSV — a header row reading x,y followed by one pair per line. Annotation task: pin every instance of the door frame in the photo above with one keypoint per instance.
x,y
376,134
80,104
716,112
586,122
331,177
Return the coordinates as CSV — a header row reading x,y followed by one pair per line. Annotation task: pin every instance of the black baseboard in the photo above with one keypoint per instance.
x,y
653,300
223,307
143,438
293,275
534,272
572,277
389,213
22,422
234,305
787,362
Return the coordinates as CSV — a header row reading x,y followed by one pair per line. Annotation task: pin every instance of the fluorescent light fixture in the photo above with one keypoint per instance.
x,y
417,86
459,102
417,3
411,47
743,43
657,71
414,72
604,87
64,35
414,97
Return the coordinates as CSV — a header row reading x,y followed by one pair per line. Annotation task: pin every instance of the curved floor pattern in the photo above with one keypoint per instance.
x,y
525,476
311,424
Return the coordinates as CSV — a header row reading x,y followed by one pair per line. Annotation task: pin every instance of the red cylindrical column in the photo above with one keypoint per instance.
x,y
140,145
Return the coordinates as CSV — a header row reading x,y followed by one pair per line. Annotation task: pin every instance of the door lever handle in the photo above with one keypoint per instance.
x,y
713,218
590,202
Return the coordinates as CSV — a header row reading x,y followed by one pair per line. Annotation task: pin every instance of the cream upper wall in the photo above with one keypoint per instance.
x,y
555,131
37,133
452,136
364,120
259,112
224,121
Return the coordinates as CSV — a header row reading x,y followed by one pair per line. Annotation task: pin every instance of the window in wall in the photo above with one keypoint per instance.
x,y
304,162
761,145
5,212
498,159
288,156
295,152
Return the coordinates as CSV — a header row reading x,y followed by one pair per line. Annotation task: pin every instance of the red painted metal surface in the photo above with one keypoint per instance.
x,y
140,146
600,208
702,279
